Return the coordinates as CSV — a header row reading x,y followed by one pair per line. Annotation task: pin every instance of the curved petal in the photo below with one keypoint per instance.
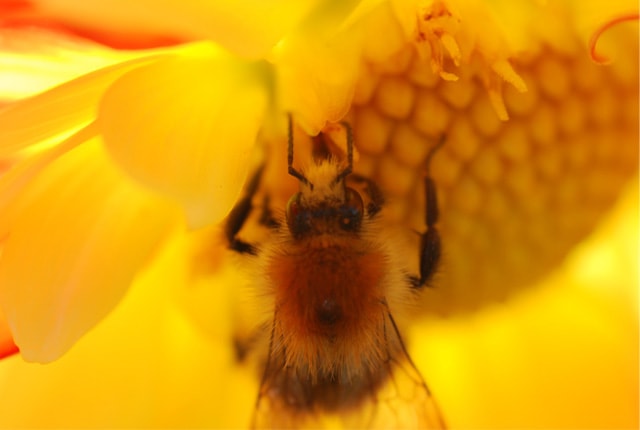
x,y
59,110
186,127
564,355
145,366
77,235
34,59
18,175
246,27
316,78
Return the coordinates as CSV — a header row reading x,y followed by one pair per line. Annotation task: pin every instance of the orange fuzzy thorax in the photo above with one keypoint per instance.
x,y
342,278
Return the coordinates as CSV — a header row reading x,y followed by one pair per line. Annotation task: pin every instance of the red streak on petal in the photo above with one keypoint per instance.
x,y
112,39
600,59
107,37
24,13
5,165
7,345
126,41
8,348
14,5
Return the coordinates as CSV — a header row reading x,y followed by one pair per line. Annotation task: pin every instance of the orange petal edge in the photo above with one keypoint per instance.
x,y
8,348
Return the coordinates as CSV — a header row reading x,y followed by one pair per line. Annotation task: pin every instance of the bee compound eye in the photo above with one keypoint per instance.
x,y
297,215
352,210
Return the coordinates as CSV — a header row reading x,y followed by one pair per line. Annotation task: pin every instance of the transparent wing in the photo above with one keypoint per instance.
x,y
404,401
395,396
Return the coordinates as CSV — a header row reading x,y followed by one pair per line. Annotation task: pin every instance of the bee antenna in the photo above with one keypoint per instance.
x,y
347,170
292,170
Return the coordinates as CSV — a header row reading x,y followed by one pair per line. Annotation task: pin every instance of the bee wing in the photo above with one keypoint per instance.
x,y
281,402
403,401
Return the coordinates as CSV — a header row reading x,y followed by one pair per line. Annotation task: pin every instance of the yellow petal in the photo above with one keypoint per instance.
x,y
144,366
59,110
562,356
76,236
33,60
186,127
247,27
19,175
316,78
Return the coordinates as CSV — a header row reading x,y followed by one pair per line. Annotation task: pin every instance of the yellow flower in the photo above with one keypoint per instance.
x,y
540,142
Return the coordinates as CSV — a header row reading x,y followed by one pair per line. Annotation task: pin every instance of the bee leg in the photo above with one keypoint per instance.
x,y
430,239
246,342
239,214
241,348
266,218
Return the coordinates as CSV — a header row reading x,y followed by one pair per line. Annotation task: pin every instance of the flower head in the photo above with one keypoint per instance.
x,y
124,171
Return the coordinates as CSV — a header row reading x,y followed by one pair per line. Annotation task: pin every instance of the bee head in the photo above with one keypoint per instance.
x,y
328,208
324,203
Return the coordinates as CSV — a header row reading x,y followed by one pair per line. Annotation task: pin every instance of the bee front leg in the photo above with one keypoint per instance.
x,y
430,239
239,214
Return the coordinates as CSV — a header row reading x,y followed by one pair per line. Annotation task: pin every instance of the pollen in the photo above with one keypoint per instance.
x,y
514,144
431,115
488,168
466,139
374,128
484,117
515,194
395,97
398,178
554,78
521,104
458,95
407,145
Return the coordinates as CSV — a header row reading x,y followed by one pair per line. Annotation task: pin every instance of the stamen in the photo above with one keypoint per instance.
x,y
436,30
601,59
502,71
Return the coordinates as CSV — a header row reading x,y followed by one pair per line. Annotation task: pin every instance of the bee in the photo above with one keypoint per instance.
x,y
335,280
